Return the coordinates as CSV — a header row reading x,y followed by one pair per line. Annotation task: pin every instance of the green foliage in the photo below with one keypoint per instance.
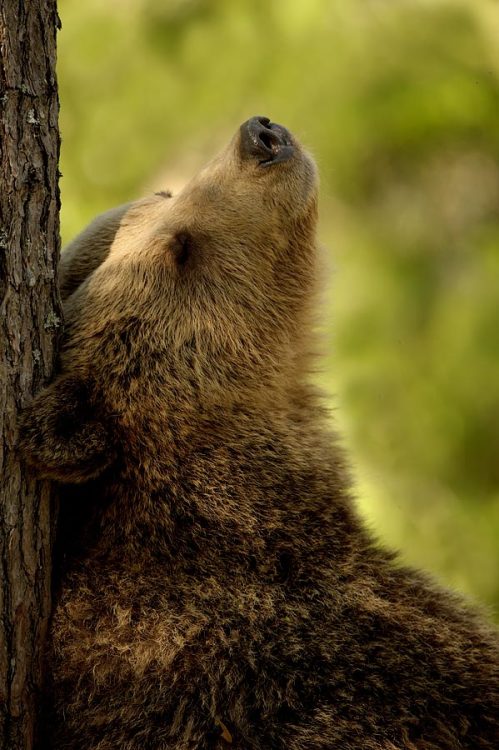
x,y
399,102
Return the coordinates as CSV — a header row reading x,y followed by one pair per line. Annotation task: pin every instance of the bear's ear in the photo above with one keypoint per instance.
x,y
62,436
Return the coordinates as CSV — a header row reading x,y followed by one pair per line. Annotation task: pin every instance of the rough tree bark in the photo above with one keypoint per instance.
x,y
29,321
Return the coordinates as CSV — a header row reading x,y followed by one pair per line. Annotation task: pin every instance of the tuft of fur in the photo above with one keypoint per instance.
x,y
216,588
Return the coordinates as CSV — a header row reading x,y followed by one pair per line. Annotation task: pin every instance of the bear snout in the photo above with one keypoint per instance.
x,y
265,141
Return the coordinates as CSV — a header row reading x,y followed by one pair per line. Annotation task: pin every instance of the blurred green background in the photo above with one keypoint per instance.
x,y
399,102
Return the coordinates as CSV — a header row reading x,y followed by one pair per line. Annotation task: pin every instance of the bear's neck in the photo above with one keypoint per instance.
x,y
234,492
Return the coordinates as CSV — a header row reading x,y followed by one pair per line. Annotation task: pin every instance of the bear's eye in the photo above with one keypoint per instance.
x,y
180,247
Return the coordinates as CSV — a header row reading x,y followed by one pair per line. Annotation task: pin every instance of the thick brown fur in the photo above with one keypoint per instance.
x,y
216,588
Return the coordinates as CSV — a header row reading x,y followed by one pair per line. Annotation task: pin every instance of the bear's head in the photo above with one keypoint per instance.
x,y
182,305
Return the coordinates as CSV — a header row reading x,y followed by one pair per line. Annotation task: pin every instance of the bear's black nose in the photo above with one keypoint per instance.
x,y
265,141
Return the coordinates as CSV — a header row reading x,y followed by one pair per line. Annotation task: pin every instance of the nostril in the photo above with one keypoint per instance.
x,y
266,138
271,139
264,121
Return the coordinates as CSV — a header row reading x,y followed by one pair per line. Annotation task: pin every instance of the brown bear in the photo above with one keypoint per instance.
x,y
215,587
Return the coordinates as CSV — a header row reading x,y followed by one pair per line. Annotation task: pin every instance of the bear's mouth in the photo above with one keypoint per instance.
x,y
265,141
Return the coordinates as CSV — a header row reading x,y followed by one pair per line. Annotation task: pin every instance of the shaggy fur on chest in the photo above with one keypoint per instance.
x,y
243,605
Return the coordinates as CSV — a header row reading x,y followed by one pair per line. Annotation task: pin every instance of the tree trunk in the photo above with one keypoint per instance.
x,y
29,321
